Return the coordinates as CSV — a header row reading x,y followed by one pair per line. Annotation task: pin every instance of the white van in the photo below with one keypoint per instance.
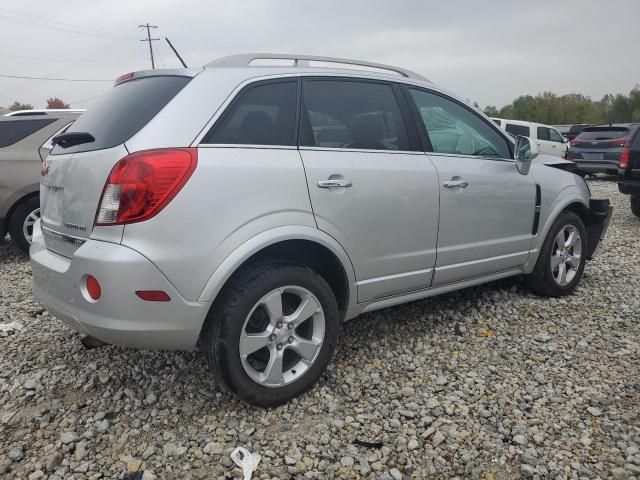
x,y
550,141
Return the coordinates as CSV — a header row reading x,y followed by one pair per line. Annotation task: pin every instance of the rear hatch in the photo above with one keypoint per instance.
x,y
599,144
78,167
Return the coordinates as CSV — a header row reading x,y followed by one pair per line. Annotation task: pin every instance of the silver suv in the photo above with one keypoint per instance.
x,y
249,207
25,141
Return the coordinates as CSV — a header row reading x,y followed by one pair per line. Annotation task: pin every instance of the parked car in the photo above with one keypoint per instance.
x,y
549,140
574,130
24,143
629,171
248,210
598,148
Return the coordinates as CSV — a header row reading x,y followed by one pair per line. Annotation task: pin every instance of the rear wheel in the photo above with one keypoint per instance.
x,y
272,333
635,206
562,258
22,221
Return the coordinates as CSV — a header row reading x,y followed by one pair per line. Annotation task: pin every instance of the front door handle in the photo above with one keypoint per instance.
x,y
334,183
456,183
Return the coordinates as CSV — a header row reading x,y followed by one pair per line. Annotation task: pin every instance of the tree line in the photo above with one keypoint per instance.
x,y
51,103
553,109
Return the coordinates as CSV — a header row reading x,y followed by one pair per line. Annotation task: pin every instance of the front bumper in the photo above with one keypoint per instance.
x,y
600,212
119,317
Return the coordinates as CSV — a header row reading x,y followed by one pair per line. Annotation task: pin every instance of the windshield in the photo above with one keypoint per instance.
x,y
123,112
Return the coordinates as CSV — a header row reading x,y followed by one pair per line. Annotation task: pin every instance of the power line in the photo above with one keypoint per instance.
x,y
45,59
149,39
57,79
28,23
50,21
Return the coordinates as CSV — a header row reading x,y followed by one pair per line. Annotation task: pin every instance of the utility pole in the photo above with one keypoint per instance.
x,y
149,39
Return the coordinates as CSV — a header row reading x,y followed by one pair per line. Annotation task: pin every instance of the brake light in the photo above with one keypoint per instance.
x,y
575,142
617,143
141,184
623,161
93,287
123,78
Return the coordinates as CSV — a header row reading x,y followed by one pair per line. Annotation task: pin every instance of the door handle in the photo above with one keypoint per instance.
x,y
334,183
456,183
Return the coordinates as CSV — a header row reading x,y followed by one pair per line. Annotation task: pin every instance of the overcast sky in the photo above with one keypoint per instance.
x,y
487,51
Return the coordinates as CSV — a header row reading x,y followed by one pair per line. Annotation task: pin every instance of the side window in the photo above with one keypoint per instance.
x,y
521,130
456,130
555,136
12,131
261,115
351,114
543,133
497,122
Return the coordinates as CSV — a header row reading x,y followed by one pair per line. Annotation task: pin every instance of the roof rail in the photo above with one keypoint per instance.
x,y
245,59
43,111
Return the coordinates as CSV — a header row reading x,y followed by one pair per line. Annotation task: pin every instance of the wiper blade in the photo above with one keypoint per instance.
x,y
69,139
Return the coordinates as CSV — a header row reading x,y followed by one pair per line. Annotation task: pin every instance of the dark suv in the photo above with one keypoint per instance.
x,y
575,130
629,171
599,148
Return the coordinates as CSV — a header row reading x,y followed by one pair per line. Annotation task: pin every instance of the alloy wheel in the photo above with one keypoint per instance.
x,y
566,255
29,222
282,336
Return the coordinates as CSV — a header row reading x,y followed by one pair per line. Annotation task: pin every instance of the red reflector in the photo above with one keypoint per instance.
x,y
153,295
93,287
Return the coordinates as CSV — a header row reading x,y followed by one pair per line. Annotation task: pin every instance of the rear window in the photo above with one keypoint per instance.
x,y
518,130
12,131
603,133
123,112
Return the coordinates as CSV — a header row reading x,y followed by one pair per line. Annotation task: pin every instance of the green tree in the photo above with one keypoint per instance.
x,y
20,106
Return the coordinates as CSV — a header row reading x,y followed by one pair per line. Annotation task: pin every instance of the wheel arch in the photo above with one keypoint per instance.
x,y
298,244
15,204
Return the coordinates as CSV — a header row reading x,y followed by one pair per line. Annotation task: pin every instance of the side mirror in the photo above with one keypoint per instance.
x,y
526,151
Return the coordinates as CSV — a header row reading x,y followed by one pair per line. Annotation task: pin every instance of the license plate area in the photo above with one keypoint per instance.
x,y
593,156
52,205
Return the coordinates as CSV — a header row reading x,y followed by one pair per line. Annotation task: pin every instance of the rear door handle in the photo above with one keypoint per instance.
x,y
334,183
458,183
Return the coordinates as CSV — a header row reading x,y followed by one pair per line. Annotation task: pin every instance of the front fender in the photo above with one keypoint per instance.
x,y
270,237
571,194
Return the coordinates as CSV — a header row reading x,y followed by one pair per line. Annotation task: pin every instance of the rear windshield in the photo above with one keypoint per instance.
x,y
518,130
123,112
603,133
12,131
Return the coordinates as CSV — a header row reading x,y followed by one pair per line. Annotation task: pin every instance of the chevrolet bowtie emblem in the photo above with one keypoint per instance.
x,y
44,169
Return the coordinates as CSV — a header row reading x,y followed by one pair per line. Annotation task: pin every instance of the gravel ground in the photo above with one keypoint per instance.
x,y
490,383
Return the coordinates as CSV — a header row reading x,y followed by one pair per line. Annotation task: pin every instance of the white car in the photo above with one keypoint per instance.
x,y
550,141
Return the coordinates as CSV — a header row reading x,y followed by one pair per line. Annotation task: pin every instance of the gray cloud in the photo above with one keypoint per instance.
x,y
489,52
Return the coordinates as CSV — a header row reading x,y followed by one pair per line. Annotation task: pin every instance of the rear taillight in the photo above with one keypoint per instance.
x,y
623,161
141,184
575,142
617,143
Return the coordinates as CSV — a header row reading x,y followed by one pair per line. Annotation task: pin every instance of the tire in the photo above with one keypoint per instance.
x,y
635,206
546,280
242,310
22,221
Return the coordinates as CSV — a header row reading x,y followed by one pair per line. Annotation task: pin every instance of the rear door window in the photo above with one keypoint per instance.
x,y
12,131
521,130
351,114
543,133
121,113
264,114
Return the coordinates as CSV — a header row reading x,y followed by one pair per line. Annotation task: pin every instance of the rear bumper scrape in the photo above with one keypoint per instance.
x,y
600,212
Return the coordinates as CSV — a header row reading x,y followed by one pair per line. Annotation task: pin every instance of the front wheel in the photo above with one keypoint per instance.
x,y
635,206
562,258
22,221
272,333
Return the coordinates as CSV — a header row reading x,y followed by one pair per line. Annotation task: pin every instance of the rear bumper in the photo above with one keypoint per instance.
x,y
600,166
600,212
119,317
629,187
2,230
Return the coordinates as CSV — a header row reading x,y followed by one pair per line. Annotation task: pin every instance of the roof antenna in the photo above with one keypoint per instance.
x,y
176,52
